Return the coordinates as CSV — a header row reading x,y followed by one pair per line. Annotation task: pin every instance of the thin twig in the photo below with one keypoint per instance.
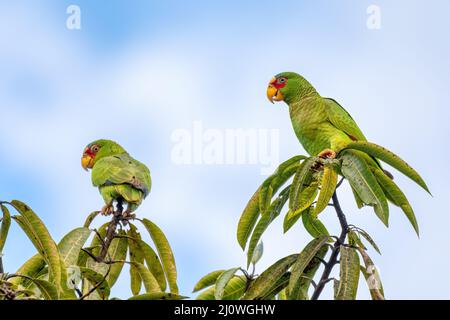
x,y
335,251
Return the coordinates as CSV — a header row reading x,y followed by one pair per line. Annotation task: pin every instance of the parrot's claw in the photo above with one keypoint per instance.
x,y
128,215
327,154
107,210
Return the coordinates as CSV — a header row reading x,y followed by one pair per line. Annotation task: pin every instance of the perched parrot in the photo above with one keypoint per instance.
x,y
322,125
117,175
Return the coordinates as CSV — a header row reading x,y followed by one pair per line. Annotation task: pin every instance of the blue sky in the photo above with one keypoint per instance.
x,y
138,70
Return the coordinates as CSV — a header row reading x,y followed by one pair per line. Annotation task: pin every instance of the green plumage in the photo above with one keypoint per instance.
x,y
119,176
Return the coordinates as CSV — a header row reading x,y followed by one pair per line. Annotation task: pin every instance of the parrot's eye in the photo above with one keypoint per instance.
x,y
95,148
281,80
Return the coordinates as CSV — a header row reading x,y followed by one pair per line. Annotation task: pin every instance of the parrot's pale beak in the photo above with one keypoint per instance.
x,y
87,162
273,94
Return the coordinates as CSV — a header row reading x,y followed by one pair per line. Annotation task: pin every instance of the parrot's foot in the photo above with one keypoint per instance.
x,y
128,215
107,210
327,153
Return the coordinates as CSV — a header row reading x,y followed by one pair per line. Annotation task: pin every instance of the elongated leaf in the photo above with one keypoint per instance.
x,y
233,291
327,187
355,169
269,277
222,282
136,255
359,202
368,238
397,196
271,185
165,253
71,244
305,200
157,296
38,233
265,221
390,158
290,220
31,268
47,289
349,274
248,219
4,229
354,240
97,280
257,254
303,260
280,285
301,180
372,277
150,283
117,252
90,218
313,225
207,280
309,272
153,264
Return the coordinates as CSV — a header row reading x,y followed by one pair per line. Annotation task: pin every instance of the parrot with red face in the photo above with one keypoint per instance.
x,y
118,176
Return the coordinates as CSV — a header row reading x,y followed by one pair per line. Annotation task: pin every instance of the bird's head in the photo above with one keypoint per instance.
x,y
98,149
288,87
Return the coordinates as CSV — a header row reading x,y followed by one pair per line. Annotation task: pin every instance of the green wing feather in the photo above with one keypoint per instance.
x,y
120,169
342,120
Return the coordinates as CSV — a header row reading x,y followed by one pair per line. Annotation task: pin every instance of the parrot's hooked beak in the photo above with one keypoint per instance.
x,y
273,94
87,162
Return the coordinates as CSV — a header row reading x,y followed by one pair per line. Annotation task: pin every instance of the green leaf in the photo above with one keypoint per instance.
x,y
158,296
165,253
372,277
359,202
368,238
265,221
96,280
397,196
47,289
117,252
354,240
301,180
248,219
269,277
303,260
327,188
4,229
233,291
349,274
150,282
153,264
390,158
271,185
90,218
39,235
313,225
136,255
31,268
280,285
305,200
207,280
222,281
71,244
309,273
355,169
257,254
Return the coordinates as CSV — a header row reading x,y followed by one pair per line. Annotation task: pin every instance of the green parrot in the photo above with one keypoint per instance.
x,y
322,125
117,175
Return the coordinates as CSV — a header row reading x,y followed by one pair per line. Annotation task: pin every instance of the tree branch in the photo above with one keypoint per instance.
x,y
335,251
111,232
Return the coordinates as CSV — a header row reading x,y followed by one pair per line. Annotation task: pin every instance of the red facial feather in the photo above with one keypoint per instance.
x,y
279,85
